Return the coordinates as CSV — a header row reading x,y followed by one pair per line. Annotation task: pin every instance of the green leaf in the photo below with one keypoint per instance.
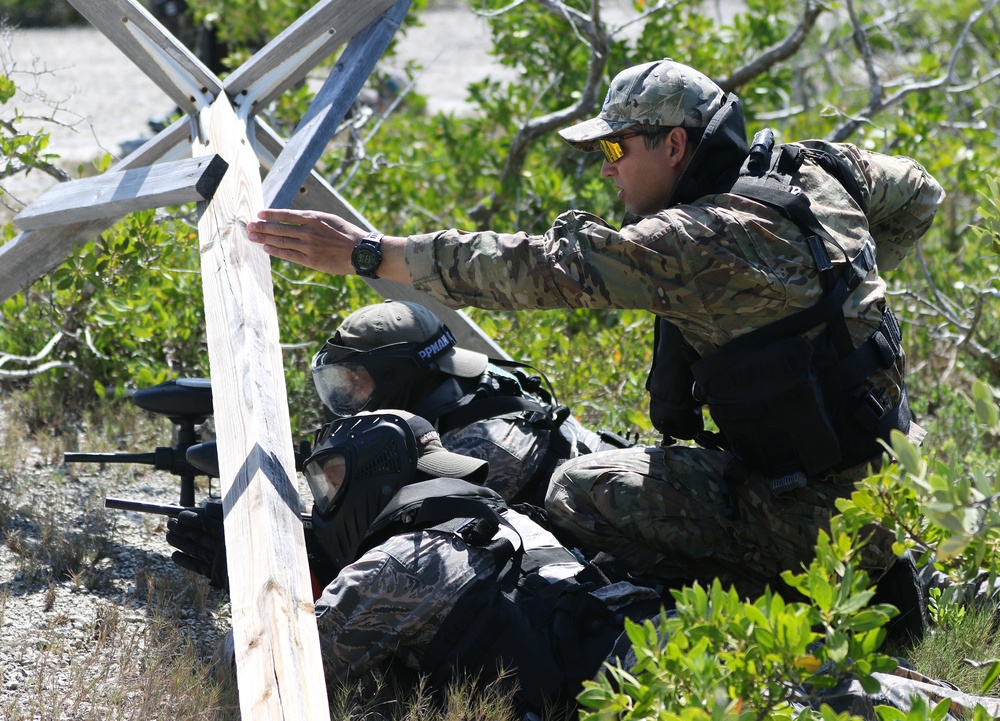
x,y
7,88
837,647
952,547
991,677
941,709
889,713
907,454
869,683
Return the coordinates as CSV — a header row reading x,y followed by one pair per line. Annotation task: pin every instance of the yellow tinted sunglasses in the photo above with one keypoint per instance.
x,y
612,148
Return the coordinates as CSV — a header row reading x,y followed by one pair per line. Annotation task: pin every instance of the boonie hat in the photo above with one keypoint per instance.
x,y
661,93
400,321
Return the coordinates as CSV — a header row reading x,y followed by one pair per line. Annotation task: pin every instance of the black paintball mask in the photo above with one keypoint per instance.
x,y
349,380
359,463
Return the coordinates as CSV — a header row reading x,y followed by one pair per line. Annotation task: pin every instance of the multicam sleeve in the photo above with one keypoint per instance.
x,y
903,201
581,262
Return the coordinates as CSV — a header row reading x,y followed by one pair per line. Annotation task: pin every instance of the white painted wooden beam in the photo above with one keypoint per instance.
x,y
113,195
174,68
302,46
278,662
330,106
31,254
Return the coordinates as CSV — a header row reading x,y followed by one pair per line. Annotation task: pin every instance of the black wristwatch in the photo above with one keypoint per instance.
x,y
367,255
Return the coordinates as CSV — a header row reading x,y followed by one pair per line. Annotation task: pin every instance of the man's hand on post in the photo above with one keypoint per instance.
x,y
322,241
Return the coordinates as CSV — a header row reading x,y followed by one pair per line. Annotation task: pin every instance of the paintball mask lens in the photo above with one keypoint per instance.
x,y
350,381
345,388
325,475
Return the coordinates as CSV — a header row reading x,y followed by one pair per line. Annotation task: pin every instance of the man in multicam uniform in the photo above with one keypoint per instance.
x,y
717,265
397,354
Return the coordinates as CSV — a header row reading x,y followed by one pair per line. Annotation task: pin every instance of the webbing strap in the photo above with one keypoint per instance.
x,y
796,324
796,207
882,350
774,189
483,408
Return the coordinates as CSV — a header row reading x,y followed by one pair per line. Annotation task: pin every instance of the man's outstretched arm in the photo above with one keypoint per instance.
x,y
322,241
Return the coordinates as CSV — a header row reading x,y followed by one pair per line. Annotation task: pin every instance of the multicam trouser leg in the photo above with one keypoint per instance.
x,y
667,514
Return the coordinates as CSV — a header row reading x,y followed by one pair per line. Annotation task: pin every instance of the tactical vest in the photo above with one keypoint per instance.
x,y
549,635
787,407
459,402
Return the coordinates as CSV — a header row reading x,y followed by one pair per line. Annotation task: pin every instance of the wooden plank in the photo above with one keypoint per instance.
x,y
291,55
329,107
316,194
154,50
113,195
278,661
30,255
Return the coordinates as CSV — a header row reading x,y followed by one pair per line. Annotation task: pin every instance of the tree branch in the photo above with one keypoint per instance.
x,y
776,53
877,103
597,39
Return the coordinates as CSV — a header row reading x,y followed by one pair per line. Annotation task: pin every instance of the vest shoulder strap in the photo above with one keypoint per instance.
x,y
767,178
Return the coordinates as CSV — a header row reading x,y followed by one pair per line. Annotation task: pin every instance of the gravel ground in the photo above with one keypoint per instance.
x,y
67,641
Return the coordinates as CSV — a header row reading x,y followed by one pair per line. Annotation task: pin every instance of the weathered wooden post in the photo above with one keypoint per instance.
x,y
279,667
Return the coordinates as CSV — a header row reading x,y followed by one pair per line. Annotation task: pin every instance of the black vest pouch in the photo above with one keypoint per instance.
x,y
769,406
673,409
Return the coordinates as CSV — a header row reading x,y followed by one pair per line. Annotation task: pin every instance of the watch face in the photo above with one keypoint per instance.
x,y
366,257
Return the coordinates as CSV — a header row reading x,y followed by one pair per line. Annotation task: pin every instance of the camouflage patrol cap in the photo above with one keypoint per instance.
x,y
662,93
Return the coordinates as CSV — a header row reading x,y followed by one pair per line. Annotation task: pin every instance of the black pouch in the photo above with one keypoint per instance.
x,y
769,406
672,409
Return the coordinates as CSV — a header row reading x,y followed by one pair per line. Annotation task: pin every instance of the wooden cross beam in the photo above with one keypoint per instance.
x,y
279,667
120,193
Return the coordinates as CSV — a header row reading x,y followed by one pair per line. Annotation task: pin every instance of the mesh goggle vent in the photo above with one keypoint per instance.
x,y
388,461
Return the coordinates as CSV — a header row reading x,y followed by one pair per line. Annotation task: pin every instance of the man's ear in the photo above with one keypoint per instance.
x,y
676,144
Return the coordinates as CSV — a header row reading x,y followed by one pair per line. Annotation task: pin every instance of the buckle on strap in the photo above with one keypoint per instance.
x,y
861,264
887,339
478,531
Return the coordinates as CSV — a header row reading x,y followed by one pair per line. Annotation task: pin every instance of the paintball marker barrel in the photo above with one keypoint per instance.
x,y
147,459
187,402
161,509
162,459
166,509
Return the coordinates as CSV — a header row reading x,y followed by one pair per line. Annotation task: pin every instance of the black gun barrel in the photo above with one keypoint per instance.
x,y
162,509
166,509
148,459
